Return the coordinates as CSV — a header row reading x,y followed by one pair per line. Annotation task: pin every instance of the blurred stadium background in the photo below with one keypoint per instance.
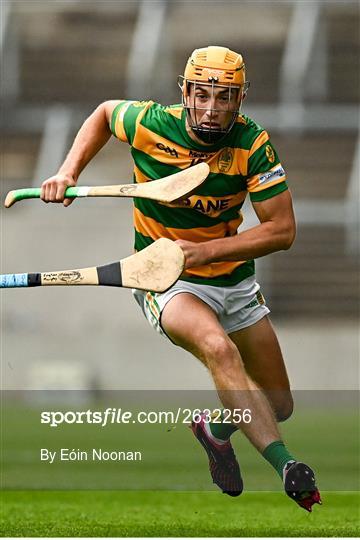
x,y
60,59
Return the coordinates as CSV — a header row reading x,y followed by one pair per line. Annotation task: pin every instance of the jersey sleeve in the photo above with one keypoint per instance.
x,y
125,119
266,176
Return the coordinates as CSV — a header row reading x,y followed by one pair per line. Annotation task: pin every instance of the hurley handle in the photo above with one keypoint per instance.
x,y
34,193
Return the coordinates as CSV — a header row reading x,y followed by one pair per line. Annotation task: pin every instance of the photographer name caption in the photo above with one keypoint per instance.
x,y
94,454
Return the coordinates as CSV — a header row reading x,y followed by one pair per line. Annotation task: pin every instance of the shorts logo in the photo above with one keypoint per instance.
x,y
225,160
172,151
258,301
252,304
270,153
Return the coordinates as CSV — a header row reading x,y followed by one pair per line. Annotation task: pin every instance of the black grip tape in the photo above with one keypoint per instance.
x,y
110,274
34,280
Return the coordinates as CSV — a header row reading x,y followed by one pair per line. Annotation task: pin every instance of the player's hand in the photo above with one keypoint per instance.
x,y
53,189
196,254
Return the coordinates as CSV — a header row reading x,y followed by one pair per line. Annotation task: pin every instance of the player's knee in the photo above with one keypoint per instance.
x,y
221,353
284,410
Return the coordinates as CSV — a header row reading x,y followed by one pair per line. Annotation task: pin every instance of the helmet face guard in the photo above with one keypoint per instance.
x,y
212,132
216,70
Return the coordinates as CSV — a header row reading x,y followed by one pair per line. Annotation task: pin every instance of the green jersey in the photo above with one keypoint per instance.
x,y
243,162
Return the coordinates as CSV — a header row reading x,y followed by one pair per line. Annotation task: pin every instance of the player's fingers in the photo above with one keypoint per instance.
x,y
67,202
47,188
52,193
60,192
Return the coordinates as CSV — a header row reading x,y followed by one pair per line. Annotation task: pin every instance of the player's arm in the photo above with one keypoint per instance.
x,y
92,136
275,232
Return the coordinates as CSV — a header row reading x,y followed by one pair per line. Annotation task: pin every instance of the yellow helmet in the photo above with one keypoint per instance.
x,y
219,63
213,66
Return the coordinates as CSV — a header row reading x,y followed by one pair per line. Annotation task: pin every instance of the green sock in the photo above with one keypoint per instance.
x,y
222,430
278,456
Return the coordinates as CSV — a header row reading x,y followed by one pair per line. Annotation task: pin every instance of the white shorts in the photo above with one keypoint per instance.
x,y
236,307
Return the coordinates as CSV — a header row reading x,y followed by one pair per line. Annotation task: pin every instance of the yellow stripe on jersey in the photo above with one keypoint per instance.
x,y
259,141
213,269
152,228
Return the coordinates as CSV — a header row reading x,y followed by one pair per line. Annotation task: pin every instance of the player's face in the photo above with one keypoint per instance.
x,y
211,106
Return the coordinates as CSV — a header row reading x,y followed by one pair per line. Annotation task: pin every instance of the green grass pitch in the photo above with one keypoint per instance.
x,y
146,513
